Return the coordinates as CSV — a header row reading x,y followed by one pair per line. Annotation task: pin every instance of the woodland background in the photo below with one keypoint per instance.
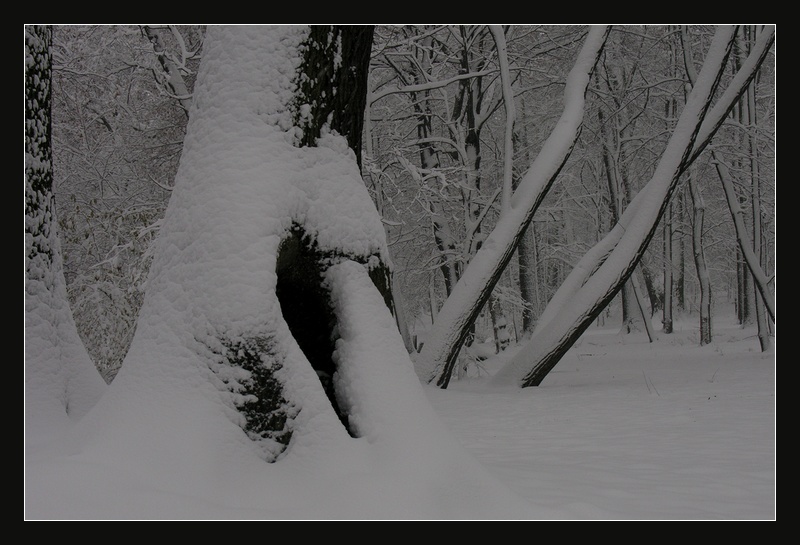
x,y
433,161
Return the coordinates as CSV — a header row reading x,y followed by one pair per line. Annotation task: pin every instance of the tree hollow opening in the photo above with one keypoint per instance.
x,y
307,310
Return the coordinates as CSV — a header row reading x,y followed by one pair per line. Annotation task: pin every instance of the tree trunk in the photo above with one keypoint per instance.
x,y
172,78
268,200
60,378
643,312
600,274
700,262
461,309
336,93
527,255
680,259
746,261
668,290
528,279
750,108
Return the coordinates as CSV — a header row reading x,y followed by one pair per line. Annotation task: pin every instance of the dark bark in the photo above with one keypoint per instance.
x,y
667,308
700,263
335,65
680,258
38,138
526,255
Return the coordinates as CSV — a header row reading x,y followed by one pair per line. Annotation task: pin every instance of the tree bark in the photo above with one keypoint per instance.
x,y
336,61
703,277
668,288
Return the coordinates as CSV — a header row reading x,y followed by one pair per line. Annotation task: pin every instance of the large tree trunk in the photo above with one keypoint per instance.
x,y
269,182
60,378
600,275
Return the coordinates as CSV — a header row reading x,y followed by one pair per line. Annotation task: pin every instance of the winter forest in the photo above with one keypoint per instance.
x,y
484,272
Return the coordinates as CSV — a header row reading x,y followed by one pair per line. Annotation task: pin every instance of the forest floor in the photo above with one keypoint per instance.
x,y
627,429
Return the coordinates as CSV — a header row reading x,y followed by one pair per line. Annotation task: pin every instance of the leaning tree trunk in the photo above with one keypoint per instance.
x,y
744,246
600,274
458,315
761,319
60,378
746,259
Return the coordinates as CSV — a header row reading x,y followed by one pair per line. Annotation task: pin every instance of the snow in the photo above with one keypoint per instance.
x,y
621,429
618,430
625,429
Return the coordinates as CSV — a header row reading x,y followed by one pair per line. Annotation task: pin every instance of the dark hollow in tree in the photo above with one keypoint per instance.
x,y
306,308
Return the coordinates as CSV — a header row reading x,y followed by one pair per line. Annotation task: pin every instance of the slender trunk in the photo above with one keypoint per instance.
x,y
745,313
637,293
703,278
527,256
399,306
528,279
172,77
652,291
680,258
618,190
508,103
667,308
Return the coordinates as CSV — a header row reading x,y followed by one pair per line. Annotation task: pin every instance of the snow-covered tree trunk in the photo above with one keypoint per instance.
x,y
267,199
60,379
439,355
603,270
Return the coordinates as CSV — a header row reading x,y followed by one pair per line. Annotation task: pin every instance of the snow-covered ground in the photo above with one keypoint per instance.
x,y
625,429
